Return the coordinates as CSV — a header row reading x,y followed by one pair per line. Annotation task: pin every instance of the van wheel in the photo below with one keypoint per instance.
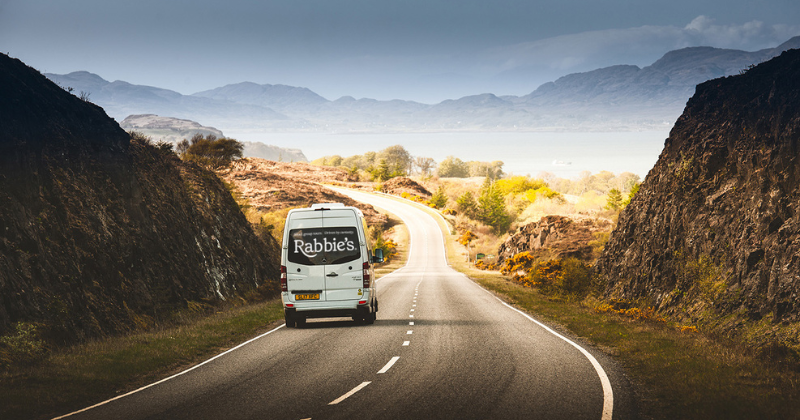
x,y
290,322
370,318
301,322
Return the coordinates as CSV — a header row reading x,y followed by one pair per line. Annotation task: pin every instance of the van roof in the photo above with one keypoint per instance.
x,y
325,206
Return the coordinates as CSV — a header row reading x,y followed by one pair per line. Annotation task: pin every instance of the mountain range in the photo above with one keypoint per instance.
x,y
622,97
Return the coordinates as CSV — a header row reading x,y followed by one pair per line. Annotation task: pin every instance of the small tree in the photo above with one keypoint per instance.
x,y
182,147
212,152
424,165
634,190
381,172
614,201
453,167
439,198
398,160
467,205
492,208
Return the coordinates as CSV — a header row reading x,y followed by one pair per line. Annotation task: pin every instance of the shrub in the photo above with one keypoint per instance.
x,y
388,246
519,184
212,152
492,208
570,277
25,346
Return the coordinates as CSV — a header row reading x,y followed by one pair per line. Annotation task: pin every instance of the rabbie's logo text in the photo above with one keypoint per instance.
x,y
310,248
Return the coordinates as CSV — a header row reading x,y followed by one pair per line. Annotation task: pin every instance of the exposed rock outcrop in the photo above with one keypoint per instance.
x,y
270,186
554,237
168,129
716,223
100,234
401,184
173,130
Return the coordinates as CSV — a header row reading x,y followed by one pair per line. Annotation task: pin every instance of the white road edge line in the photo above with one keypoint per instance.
x,y
349,394
389,365
173,376
608,393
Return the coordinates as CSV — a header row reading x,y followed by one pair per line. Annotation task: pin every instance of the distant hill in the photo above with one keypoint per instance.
x,y
270,96
667,83
622,97
120,99
173,130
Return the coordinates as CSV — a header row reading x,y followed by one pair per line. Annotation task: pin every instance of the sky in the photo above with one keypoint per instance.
x,y
421,50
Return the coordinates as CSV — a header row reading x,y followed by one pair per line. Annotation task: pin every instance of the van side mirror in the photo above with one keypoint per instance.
x,y
378,257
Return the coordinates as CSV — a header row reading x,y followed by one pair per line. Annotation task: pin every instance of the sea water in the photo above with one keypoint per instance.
x,y
564,154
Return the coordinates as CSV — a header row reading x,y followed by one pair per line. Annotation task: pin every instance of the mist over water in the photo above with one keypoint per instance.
x,y
564,154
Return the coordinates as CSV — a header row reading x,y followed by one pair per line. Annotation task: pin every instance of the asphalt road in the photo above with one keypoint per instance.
x,y
441,348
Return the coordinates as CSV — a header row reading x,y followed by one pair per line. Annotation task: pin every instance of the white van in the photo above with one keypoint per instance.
x,y
326,265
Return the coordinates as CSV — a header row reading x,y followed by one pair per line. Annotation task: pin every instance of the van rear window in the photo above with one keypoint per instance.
x,y
319,246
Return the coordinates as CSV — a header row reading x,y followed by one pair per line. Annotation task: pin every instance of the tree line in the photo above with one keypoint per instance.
x,y
396,161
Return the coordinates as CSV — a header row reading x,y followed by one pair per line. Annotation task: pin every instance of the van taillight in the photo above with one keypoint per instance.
x,y
284,283
366,275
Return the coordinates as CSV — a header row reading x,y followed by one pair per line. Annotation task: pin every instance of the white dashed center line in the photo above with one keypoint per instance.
x,y
349,394
388,365
405,343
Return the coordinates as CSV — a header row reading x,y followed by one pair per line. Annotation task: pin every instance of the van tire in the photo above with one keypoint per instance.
x,y
290,322
300,321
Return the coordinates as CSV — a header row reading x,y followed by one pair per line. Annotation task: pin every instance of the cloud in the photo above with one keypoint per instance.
x,y
639,45
751,35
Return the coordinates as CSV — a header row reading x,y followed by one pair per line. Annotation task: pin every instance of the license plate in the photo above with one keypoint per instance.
x,y
307,296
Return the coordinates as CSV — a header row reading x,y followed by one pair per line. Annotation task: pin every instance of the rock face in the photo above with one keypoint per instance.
x,y
168,129
554,237
717,220
101,234
401,184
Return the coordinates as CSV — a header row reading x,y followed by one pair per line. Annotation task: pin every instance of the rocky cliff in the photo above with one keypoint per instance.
x,y
714,231
554,237
100,234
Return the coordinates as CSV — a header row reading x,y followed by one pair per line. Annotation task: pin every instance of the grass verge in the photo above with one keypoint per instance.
x,y
677,375
400,237
86,374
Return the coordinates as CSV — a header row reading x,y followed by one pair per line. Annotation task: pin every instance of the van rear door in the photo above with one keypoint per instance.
x,y
344,267
344,272
304,266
